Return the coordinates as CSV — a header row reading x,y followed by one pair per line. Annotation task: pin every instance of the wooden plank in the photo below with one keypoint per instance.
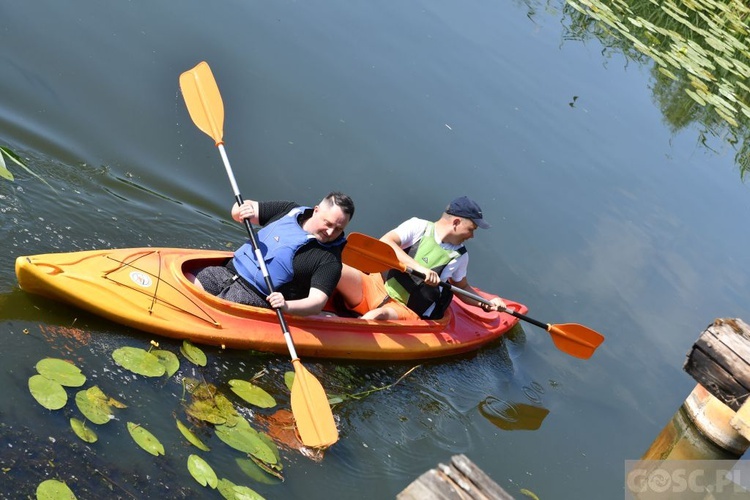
x,y
461,480
719,382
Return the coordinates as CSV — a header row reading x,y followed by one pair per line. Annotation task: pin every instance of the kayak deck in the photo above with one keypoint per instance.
x,y
151,289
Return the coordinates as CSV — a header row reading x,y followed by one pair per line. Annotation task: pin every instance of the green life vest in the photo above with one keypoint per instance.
x,y
411,290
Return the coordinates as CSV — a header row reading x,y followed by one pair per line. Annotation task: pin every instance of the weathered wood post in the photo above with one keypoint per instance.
x,y
713,423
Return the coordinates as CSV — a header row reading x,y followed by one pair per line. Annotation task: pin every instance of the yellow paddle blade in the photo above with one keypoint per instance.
x,y
369,254
311,410
577,340
203,100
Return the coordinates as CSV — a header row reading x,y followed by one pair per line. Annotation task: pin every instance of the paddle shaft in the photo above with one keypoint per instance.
x,y
256,250
481,300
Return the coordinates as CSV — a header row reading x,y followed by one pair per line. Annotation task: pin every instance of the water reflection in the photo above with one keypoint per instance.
x,y
700,55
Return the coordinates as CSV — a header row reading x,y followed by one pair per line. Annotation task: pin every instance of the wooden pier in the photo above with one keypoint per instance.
x,y
460,480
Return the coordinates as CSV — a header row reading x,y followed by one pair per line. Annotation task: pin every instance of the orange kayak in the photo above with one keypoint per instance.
x,y
151,289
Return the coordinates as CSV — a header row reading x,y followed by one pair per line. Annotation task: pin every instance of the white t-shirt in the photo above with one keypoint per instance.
x,y
411,231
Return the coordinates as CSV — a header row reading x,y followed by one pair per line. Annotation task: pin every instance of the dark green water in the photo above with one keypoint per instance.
x,y
601,215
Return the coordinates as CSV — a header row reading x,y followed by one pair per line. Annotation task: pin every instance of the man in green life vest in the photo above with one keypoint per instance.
x,y
435,249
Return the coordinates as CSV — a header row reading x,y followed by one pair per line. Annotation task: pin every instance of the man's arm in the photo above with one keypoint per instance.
x,y
497,302
394,240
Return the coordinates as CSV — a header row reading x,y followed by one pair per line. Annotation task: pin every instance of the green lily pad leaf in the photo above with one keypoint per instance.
x,y
15,159
274,470
252,393
206,411
4,172
94,405
289,380
231,491
61,371
192,438
169,359
244,438
47,393
274,449
83,432
145,439
52,489
193,354
258,471
139,361
202,472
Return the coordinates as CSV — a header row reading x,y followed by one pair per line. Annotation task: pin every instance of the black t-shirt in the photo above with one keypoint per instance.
x,y
314,265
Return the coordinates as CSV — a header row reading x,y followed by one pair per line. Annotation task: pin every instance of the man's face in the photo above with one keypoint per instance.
x,y
465,229
327,222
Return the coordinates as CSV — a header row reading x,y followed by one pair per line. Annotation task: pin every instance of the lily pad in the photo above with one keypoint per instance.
x,y
94,405
61,371
244,438
252,393
52,489
206,411
192,438
202,472
231,491
258,471
169,359
145,439
83,432
48,393
139,361
289,379
193,354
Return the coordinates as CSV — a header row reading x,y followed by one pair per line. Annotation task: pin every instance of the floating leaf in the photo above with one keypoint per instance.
x,y
169,359
206,411
202,472
52,489
244,438
289,379
94,405
83,432
192,438
231,491
139,361
275,469
258,471
61,371
15,159
252,393
4,172
193,354
145,439
529,494
48,393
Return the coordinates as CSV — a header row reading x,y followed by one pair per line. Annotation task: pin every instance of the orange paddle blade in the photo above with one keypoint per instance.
x,y
315,423
577,340
203,100
369,254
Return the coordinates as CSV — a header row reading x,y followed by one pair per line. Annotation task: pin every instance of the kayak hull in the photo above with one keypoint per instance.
x,y
150,289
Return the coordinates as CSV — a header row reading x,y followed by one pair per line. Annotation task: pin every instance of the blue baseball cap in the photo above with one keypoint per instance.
x,y
468,209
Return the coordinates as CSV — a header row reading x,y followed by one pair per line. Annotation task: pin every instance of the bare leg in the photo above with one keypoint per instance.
x,y
381,313
350,286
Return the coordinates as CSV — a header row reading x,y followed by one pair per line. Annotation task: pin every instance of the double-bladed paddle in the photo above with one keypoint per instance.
x,y
310,407
371,255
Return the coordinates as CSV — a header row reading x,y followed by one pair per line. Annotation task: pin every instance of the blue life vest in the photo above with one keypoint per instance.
x,y
278,243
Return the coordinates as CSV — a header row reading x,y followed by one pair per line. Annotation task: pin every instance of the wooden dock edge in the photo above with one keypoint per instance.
x,y
460,480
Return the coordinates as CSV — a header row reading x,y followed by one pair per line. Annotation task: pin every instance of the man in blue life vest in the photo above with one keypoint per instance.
x,y
301,247
436,249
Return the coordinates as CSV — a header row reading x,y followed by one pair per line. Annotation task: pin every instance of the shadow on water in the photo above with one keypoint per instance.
x,y
700,56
